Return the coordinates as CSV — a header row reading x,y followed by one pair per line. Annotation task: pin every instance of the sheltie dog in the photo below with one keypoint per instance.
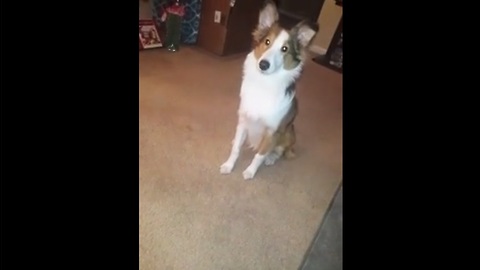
x,y
268,105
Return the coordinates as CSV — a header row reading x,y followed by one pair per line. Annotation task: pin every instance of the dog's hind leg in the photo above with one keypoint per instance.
x,y
286,140
274,155
289,153
289,142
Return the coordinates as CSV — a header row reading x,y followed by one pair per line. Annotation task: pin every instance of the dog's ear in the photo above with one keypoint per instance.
x,y
305,32
268,15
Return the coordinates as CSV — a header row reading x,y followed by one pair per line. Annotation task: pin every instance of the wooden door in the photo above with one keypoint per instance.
x,y
211,35
242,20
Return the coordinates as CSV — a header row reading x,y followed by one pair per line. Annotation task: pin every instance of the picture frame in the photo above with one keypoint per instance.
x,y
148,35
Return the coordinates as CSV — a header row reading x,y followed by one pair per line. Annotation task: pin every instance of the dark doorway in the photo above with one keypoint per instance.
x,y
294,11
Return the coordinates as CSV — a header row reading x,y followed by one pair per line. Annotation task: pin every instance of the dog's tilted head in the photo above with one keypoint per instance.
x,y
276,48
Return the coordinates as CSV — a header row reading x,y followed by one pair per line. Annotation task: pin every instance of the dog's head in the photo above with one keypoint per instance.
x,y
277,48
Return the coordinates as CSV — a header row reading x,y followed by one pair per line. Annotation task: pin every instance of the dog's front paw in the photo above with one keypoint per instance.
x,y
226,168
248,174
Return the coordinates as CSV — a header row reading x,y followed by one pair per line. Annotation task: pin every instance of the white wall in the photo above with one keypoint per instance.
x,y
328,21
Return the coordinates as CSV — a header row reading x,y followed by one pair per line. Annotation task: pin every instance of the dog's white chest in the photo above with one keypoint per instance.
x,y
263,97
264,102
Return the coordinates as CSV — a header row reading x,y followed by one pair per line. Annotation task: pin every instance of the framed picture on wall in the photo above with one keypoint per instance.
x,y
148,35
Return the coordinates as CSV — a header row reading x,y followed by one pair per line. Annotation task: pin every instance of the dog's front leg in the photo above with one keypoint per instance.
x,y
239,139
266,145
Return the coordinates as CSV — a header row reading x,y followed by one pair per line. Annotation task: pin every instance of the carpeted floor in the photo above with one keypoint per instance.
x,y
191,216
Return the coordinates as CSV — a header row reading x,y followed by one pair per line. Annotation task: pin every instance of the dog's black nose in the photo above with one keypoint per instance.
x,y
264,65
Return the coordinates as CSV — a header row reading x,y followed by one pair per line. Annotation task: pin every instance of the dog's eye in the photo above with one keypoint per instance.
x,y
284,49
267,41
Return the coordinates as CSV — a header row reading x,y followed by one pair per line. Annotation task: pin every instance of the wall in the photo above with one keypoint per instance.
x,y
328,20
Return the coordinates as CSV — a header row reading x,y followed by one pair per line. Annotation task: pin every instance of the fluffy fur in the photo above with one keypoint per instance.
x,y
268,105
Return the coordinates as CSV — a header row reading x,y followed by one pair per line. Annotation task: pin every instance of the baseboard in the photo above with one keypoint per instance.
x,y
318,50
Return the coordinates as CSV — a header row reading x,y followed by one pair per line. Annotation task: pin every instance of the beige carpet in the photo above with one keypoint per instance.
x,y
191,217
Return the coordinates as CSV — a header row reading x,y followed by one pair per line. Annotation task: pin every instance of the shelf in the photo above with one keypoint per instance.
x,y
322,60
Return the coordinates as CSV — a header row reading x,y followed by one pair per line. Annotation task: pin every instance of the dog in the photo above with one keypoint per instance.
x,y
268,105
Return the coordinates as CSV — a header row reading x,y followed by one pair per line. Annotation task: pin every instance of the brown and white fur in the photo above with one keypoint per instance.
x,y
268,105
